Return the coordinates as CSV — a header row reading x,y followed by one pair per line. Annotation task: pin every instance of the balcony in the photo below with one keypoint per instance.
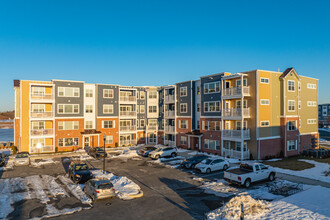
x,y
42,114
169,113
169,99
41,97
236,154
41,132
236,92
128,113
43,149
127,98
127,128
169,143
236,134
236,112
151,127
169,129
128,142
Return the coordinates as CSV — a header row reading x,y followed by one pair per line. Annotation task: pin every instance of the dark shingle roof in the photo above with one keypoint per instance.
x,y
287,71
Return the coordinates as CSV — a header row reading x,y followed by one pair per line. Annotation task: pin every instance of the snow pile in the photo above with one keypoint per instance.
x,y
6,152
232,210
125,188
40,163
76,190
275,159
126,154
9,166
181,150
198,179
219,188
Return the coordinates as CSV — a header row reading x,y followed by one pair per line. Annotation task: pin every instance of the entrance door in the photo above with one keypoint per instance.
x,y
227,125
227,84
87,140
152,138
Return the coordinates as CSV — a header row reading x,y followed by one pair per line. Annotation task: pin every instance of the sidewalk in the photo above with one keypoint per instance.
x,y
302,180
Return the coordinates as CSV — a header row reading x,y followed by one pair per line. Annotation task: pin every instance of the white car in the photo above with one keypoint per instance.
x,y
22,158
209,165
99,189
163,152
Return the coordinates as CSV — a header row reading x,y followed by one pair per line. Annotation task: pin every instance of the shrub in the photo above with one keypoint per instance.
x,y
56,149
116,144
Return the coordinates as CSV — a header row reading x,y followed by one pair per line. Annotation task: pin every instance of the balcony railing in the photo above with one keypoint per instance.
x,y
236,112
41,97
236,154
169,143
127,128
151,127
41,114
169,98
128,98
128,142
128,113
43,149
169,113
40,132
170,129
236,91
236,134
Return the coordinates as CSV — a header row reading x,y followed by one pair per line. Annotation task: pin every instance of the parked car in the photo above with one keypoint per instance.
x,y
79,172
209,165
145,151
22,158
99,189
191,162
2,159
97,152
163,152
249,173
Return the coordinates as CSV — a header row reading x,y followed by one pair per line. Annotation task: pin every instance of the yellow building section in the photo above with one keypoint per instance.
x,y
48,107
264,96
47,124
45,141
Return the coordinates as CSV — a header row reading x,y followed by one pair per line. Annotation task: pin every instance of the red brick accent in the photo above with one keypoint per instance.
x,y
270,147
139,140
306,141
212,135
160,137
182,132
108,131
16,132
289,135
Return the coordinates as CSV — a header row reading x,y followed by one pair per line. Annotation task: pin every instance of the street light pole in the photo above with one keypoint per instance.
x,y
104,136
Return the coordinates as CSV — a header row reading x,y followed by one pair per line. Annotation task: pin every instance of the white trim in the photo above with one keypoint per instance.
x,y
264,100
264,126
60,118
294,85
182,104
207,116
186,88
66,113
309,133
294,101
109,93
264,78
268,138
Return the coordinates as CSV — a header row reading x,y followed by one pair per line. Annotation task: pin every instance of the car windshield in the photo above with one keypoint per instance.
x,y
105,186
99,149
159,149
206,161
150,148
81,167
22,155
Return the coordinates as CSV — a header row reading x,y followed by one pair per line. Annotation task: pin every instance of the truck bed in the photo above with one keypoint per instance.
x,y
239,171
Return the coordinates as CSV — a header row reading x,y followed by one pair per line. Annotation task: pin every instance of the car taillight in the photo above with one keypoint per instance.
x,y
113,189
143,152
239,178
97,191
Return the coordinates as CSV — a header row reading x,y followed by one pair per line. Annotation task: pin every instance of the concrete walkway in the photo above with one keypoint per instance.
x,y
303,180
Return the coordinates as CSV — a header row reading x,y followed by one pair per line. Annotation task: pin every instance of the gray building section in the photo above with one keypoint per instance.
x,y
69,100
324,115
210,97
139,103
161,109
112,101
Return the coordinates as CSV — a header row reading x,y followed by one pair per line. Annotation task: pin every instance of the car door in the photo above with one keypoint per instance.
x,y
263,172
213,165
257,175
167,152
218,164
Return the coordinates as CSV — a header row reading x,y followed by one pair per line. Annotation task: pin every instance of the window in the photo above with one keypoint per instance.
x,y
107,93
291,125
68,109
137,95
198,90
183,124
299,86
107,109
212,144
264,101
108,139
311,121
291,105
89,108
183,140
38,107
38,125
68,92
183,91
291,85
299,104
142,109
183,108
311,103
142,95
238,83
211,87
142,124
89,93
198,122
264,123
152,109
88,124
153,95
291,145
108,124
68,125
198,107
38,91
65,142
311,86
211,125
264,80
238,146
212,106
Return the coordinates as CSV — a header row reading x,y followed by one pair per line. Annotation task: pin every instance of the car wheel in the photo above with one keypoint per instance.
x,y
157,156
192,166
271,177
208,170
247,183
173,154
225,167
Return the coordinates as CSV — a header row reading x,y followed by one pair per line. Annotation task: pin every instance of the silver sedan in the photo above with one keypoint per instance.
x,y
99,189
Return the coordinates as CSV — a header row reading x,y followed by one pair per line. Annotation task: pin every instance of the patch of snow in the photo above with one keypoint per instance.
x,y
181,150
6,152
198,179
275,159
76,190
43,162
126,154
219,188
171,158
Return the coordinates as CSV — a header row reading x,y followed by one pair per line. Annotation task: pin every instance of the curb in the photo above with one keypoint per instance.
x,y
139,195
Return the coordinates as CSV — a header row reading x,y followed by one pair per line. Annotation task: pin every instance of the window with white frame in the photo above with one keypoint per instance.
x,y
152,94
38,91
198,90
238,146
142,95
183,140
239,84
68,92
68,109
291,145
311,103
311,86
212,144
264,101
68,125
88,124
38,125
290,85
183,124
299,86
142,123
291,105
311,121
89,93
212,106
264,123
108,139
152,122
292,126
107,109
211,125
142,109
198,107
38,107
108,93
183,108
212,87
183,91
264,80
152,109
137,95
65,142
198,124
299,104
89,108
108,124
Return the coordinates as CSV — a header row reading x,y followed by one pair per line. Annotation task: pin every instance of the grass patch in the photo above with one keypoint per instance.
x,y
324,160
291,163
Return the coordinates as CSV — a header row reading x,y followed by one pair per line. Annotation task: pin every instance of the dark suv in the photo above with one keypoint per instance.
x,y
97,152
2,159
79,172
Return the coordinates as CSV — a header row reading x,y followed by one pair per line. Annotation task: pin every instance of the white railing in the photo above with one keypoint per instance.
x,y
127,128
169,143
170,129
236,112
128,142
43,149
151,127
169,113
236,154
37,132
41,96
236,91
236,134
41,114
128,98
169,98
128,113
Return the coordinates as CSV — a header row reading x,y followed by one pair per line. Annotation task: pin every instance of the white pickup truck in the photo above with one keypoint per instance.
x,y
248,173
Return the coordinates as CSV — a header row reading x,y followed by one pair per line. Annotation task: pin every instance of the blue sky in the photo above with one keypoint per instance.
x,y
160,42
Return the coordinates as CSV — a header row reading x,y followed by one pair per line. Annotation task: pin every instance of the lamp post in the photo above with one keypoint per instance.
x,y
104,136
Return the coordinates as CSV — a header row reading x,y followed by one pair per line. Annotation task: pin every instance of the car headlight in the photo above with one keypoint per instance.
x,y
77,175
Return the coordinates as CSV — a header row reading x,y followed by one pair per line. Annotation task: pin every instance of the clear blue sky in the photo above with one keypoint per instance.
x,y
159,42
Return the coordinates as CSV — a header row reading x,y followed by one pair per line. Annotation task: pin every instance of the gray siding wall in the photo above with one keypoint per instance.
x,y
184,99
161,108
141,102
69,100
213,97
113,101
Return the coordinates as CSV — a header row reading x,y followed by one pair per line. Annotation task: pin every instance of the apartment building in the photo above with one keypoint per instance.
x,y
254,114
324,115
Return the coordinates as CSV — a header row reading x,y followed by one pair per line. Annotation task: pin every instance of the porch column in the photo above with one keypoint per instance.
x,y
242,118
188,142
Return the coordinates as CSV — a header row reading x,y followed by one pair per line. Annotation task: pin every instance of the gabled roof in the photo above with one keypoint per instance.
x,y
289,70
